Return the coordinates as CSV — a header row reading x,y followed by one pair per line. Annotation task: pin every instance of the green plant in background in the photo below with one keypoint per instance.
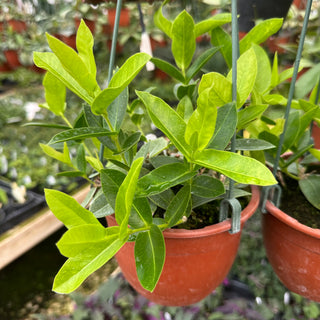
x,y
130,181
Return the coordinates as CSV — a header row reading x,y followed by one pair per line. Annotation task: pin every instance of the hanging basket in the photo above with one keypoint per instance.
x,y
197,261
293,250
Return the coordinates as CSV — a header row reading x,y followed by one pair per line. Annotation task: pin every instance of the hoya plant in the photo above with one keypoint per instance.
x,y
132,177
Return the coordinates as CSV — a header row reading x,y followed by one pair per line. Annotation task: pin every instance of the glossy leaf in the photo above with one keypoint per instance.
x,y
120,81
207,187
78,268
178,206
275,99
125,195
81,159
99,205
149,251
152,148
310,187
68,210
307,82
185,108
162,199
50,62
201,124
80,133
211,23
60,156
163,178
246,75
237,167
55,94
183,40
275,71
167,120
141,215
293,128
161,22
84,42
74,65
225,127
253,144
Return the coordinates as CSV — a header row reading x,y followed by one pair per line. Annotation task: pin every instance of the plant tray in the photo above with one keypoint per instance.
x,y
14,213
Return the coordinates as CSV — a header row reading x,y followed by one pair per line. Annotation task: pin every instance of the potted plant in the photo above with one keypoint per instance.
x,y
154,188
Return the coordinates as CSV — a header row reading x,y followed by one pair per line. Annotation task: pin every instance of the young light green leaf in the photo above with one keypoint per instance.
x,y
149,252
120,81
78,268
237,167
225,127
207,187
310,187
95,163
81,159
260,33
161,22
185,108
125,195
84,41
307,82
83,238
163,178
63,157
183,40
246,75
211,23
74,65
275,99
152,148
167,120
80,133
275,72
178,206
55,94
50,62
68,210
201,125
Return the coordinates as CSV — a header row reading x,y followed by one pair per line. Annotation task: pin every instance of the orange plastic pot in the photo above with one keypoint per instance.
x,y
12,57
316,135
293,250
197,261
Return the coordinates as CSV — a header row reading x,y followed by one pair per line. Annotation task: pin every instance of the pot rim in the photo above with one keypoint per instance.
x,y
220,227
293,223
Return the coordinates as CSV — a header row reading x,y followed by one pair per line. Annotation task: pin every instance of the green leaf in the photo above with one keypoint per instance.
x,y
161,22
181,90
185,108
162,199
275,99
178,206
260,33
141,215
163,160
80,133
81,159
292,131
221,38
246,75
120,81
201,124
211,23
199,63
225,127
55,94
163,178
78,268
310,187
99,205
249,114
207,187
68,210
167,120
253,144
152,148
85,43
307,82
63,157
275,72
117,109
183,40
45,125
125,195
74,65
221,88
51,63
237,167
149,252
169,69
83,237
263,78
